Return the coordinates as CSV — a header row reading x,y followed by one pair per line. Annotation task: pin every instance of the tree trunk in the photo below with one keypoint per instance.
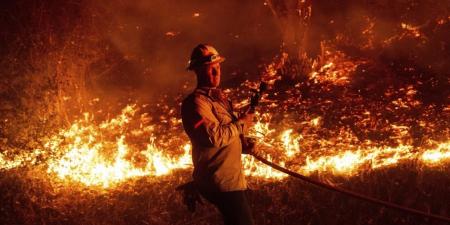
x,y
293,20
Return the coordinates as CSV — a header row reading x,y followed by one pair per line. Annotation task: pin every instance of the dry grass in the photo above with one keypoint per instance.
x,y
33,197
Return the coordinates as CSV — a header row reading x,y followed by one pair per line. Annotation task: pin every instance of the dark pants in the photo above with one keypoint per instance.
x,y
233,205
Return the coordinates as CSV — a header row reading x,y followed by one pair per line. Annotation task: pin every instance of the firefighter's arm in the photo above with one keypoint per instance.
x,y
208,128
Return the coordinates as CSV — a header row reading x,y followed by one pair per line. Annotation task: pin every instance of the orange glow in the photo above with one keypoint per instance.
x,y
79,154
106,153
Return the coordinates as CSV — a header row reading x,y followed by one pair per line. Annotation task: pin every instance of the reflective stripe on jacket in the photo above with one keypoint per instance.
x,y
214,131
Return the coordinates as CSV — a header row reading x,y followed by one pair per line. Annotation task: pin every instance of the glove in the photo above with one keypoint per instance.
x,y
248,145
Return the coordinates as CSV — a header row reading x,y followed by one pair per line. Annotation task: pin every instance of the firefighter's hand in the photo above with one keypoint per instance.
x,y
248,145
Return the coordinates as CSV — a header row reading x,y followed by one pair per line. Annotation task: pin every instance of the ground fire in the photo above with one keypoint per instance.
x,y
359,105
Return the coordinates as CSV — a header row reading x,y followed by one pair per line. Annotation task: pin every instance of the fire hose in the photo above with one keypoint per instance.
x,y
350,193
254,101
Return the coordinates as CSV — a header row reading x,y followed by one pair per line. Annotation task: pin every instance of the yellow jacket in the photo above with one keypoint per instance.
x,y
214,130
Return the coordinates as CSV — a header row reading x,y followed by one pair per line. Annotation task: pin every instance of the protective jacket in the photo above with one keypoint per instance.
x,y
214,130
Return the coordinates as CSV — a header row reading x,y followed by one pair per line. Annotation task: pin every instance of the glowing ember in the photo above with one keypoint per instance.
x,y
172,33
413,29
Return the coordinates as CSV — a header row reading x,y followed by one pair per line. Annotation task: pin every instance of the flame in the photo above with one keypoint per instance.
x,y
437,155
344,163
291,145
348,163
86,160
257,169
83,153
335,69
6,164
131,145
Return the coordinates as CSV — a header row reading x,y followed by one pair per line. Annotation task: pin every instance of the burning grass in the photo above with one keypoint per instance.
x,y
150,200
125,168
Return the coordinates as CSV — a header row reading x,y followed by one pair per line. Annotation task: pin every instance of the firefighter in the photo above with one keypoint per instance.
x,y
214,131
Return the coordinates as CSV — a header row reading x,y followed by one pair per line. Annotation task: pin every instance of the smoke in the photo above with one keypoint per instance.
x,y
71,51
152,41
57,56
